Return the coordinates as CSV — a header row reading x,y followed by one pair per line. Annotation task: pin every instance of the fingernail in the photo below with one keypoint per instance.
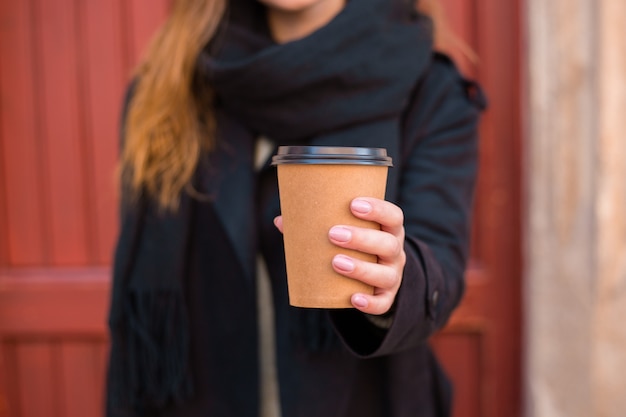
x,y
340,234
361,206
359,301
344,263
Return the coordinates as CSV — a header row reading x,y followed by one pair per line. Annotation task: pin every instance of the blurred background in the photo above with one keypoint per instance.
x,y
539,332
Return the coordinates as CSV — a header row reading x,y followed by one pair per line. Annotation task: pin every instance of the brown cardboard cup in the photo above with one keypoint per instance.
x,y
316,185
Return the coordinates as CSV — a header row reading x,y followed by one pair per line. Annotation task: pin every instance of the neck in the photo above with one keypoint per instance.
x,y
290,25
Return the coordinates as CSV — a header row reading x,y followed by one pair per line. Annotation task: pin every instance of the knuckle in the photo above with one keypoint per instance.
x,y
396,249
388,279
370,239
366,274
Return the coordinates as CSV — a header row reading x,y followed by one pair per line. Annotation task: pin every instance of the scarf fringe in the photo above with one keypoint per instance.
x,y
152,352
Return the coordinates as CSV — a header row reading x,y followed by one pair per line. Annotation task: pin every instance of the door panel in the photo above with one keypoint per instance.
x,y
53,342
64,65
105,70
21,170
53,377
487,326
462,349
63,68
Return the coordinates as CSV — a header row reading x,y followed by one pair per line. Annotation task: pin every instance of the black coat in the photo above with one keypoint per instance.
x,y
373,372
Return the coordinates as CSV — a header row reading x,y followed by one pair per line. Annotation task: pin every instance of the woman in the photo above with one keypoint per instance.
x,y
219,87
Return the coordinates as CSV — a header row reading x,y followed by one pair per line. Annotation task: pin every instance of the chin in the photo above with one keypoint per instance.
x,y
289,5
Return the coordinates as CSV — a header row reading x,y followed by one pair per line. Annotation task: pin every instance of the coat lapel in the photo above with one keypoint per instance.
x,y
230,182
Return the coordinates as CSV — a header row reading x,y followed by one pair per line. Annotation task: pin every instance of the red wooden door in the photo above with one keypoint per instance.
x,y
63,67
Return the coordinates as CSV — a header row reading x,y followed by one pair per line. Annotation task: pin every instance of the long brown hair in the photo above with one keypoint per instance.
x,y
168,124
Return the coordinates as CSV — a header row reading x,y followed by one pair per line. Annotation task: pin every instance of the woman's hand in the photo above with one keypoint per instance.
x,y
387,244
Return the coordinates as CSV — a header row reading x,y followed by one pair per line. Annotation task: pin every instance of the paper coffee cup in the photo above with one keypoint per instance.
x,y
317,185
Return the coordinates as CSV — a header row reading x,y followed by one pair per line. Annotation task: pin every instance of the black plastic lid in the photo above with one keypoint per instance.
x,y
331,155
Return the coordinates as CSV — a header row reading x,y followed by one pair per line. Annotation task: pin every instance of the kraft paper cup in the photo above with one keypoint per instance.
x,y
316,185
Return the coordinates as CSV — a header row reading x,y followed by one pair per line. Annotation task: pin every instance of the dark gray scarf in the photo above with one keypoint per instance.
x,y
358,68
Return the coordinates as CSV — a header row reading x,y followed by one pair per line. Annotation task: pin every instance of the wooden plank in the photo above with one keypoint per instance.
x,y
36,383
609,357
21,165
462,358
65,197
82,48
4,244
499,45
9,380
54,302
81,376
4,248
499,73
105,79
101,349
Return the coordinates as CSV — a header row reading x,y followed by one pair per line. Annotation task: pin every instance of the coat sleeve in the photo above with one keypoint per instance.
x,y
438,165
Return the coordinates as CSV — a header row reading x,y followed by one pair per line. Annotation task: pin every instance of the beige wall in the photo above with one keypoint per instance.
x,y
575,299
